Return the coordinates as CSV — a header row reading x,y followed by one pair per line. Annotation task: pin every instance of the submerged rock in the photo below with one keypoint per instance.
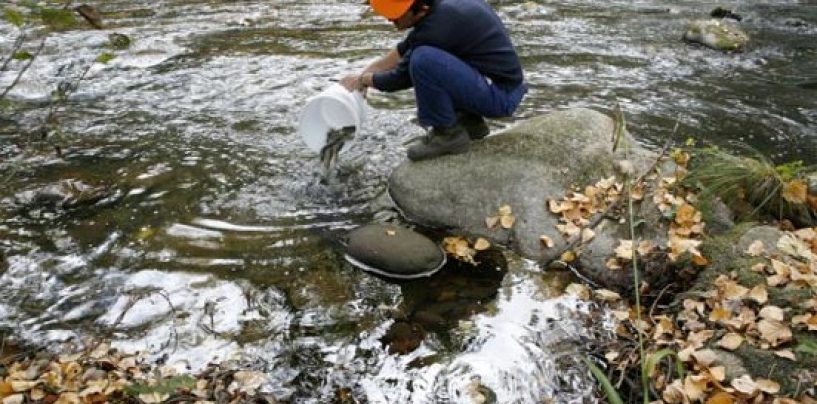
x,y
65,194
717,34
394,251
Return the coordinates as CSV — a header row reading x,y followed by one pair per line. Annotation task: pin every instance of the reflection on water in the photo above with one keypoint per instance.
x,y
186,219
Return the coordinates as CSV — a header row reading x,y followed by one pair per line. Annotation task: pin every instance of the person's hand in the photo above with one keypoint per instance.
x,y
356,82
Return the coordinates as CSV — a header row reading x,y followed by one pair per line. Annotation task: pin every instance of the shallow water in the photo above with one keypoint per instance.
x,y
212,237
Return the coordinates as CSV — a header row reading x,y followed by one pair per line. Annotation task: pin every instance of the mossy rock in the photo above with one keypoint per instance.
x,y
727,254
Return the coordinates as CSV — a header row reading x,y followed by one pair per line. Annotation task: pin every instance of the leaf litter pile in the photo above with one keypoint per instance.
x,y
725,317
103,375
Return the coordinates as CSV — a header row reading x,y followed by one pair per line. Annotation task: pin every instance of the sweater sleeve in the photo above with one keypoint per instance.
x,y
395,79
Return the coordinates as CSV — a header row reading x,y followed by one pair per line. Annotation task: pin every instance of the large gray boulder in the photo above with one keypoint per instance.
x,y
524,166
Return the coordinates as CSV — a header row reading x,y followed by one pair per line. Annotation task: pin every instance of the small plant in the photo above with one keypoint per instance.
x,y
752,184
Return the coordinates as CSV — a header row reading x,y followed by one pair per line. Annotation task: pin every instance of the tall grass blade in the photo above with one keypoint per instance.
x,y
609,390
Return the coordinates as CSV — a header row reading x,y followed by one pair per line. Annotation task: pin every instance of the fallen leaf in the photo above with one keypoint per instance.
x,y
492,221
756,249
721,397
391,232
587,235
786,353
507,221
730,341
695,386
685,214
774,332
759,294
568,256
625,249
772,313
547,241
505,210
768,386
607,295
482,244
718,373
795,191
578,290
744,384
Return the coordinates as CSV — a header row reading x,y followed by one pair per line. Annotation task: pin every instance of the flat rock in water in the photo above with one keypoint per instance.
x,y
394,251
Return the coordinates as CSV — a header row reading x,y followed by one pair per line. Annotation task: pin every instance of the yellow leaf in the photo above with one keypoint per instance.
x,y
719,313
795,191
505,210
731,341
547,241
506,221
568,256
482,244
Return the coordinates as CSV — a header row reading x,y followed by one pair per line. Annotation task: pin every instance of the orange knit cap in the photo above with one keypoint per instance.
x,y
391,9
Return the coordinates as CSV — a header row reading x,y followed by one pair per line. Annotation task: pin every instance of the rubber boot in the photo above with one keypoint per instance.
x,y
441,141
474,124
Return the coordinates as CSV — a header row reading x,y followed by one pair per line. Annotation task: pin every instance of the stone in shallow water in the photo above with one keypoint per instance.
x,y
393,251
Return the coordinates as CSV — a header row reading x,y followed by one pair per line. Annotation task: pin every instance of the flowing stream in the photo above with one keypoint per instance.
x,y
204,232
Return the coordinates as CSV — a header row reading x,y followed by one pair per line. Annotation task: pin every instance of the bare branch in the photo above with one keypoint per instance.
x,y
18,43
24,69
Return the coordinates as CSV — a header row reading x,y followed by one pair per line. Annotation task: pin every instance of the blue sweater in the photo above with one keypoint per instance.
x,y
469,30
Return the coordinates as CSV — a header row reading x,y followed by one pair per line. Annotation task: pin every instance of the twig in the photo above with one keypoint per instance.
x,y
655,302
18,43
24,69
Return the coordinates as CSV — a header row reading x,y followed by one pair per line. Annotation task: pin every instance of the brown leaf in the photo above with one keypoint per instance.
x,y
685,215
774,332
772,313
505,210
721,397
795,191
768,386
587,235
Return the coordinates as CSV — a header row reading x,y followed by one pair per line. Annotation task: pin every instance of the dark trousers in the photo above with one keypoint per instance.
x,y
443,83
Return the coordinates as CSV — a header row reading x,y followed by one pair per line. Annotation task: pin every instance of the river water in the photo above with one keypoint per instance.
x,y
211,236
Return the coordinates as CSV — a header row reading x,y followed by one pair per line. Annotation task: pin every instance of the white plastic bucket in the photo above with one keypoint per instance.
x,y
333,108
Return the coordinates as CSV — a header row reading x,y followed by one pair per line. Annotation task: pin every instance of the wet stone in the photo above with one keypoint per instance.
x,y
403,337
394,251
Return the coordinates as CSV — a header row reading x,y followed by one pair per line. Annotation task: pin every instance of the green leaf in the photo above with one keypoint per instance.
x,y
58,19
13,16
655,358
105,58
22,55
166,386
807,347
609,390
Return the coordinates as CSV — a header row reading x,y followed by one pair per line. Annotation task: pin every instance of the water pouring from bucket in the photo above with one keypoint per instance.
x,y
330,120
